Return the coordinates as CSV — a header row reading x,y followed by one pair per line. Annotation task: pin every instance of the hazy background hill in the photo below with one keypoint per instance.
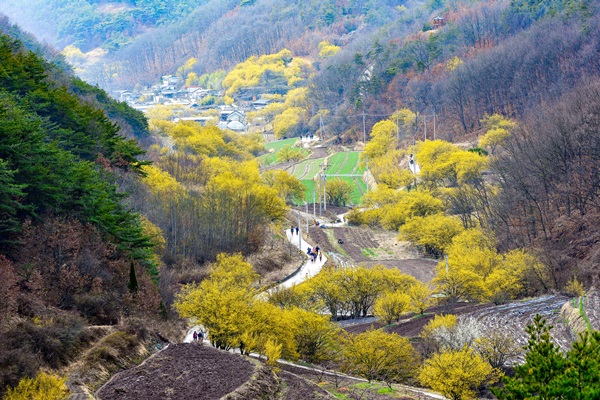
x,y
141,40
491,57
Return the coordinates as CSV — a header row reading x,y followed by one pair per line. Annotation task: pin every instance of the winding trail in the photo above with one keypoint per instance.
x,y
308,269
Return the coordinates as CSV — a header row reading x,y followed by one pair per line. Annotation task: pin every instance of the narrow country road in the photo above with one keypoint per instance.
x,y
308,269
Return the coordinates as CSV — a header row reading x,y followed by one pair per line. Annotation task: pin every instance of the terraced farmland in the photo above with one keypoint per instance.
x,y
358,185
342,163
274,147
348,163
310,186
307,169
345,163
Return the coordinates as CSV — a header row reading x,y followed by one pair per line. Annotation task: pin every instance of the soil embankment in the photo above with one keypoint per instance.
x,y
181,371
190,371
369,247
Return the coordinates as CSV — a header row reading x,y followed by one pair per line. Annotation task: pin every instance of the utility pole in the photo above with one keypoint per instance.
x,y
306,204
324,192
364,128
299,232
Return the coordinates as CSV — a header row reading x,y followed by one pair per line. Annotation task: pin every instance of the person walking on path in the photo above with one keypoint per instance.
x,y
195,336
320,256
297,229
292,230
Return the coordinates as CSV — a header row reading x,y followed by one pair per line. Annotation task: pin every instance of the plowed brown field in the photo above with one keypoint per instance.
x,y
181,371
364,246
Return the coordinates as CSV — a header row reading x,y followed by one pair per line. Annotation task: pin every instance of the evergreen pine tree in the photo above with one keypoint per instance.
x,y
581,377
162,309
133,285
544,363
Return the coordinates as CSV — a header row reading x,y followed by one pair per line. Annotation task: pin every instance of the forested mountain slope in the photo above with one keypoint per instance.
x,y
72,254
82,274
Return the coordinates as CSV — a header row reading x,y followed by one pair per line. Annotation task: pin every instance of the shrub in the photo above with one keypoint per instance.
x,y
371,218
390,306
378,355
457,374
45,386
574,288
114,351
98,309
273,353
428,334
15,363
56,340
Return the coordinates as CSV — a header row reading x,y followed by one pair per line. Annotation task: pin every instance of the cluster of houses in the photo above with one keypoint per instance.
x,y
193,99
190,99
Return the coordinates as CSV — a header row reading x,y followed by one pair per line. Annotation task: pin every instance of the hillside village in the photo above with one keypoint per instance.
x,y
171,93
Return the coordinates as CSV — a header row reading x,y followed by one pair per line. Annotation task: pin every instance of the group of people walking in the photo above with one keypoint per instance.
x,y
199,336
314,253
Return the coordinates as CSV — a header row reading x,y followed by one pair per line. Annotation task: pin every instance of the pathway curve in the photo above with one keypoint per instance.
x,y
308,269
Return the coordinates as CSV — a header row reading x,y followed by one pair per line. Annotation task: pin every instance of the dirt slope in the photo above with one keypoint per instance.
x,y
189,371
369,247
181,371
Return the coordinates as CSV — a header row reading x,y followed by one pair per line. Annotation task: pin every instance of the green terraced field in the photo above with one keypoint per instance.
x,y
335,162
360,188
307,169
352,164
339,163
271,158
280,143
309,184
345,163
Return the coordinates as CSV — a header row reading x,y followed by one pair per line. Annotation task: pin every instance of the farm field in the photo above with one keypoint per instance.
x,y
274,147
368,247
511,317
307,169
338,163
345,163
310,186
